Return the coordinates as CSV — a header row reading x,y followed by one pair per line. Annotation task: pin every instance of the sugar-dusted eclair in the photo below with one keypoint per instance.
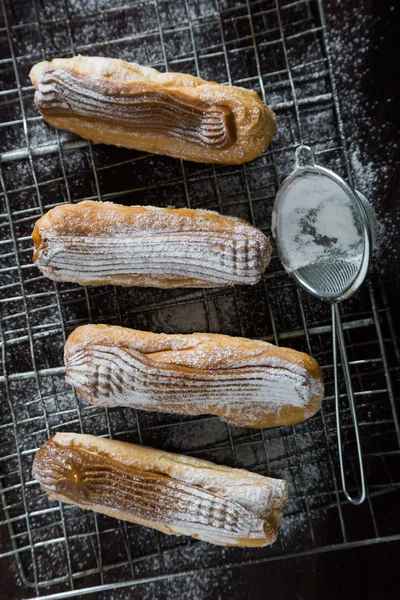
x,y
175,494
245,382
111,101
100,243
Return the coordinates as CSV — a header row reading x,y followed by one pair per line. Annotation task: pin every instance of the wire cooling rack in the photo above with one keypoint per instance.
x,y
281,50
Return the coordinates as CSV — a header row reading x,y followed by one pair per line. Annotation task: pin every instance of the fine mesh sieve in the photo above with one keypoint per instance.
x,y
324,232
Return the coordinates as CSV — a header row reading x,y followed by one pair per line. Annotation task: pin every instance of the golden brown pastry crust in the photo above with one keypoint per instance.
x,y
173,493
100,243
245,382
180,115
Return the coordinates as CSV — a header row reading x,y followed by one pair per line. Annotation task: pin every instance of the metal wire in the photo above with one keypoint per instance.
x,y
61,551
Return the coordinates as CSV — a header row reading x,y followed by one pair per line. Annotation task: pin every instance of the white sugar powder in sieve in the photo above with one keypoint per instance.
x,y
315,222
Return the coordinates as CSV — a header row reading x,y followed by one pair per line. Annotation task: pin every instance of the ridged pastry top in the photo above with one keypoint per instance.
x,y
90,479
245,382
174,493
98,243
111,101
146,108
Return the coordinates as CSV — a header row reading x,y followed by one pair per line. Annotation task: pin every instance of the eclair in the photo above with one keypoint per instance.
x,y
101,243
245,382
172,493
115,102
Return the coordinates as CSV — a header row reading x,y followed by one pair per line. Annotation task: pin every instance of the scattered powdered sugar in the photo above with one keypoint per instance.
x,y
202,585
372,159
364,92
315,221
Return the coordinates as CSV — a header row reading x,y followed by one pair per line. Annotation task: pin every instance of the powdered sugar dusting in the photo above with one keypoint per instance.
x,y
373,171
79,476
373,148
102,243
244,386
61,92
215,123
315,221
184,495
257,493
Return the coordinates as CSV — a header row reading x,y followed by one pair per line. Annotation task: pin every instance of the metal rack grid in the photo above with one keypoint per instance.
x,y
279,48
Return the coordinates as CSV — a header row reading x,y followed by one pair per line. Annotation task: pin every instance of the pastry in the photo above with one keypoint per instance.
x,y
245,382
99,243
111,101
172,493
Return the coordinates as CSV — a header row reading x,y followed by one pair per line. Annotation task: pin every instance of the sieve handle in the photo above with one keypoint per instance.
x,y
337,332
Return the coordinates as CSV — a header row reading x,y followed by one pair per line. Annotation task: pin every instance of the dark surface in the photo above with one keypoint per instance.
x,y
364,572
358,574
369,571
374,120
